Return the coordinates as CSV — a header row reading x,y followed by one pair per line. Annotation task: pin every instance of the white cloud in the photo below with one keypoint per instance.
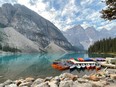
x,y
108,25
85,25
68,21
93,16
41,6
68,12
67,27
7,1
69,8
86,2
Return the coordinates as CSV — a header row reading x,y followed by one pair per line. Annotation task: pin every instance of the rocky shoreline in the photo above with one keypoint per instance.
x,y
103,78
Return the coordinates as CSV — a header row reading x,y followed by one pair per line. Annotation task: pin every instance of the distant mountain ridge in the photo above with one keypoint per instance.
x,y
31,26
83,38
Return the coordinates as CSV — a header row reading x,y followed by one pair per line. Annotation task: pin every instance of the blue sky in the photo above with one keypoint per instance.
x,y
68,13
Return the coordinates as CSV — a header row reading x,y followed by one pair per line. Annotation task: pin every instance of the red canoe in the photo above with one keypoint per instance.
x,y
80,59
88,66
60,67
97,67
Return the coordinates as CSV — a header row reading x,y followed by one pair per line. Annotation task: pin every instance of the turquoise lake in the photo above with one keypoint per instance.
x,y
15,66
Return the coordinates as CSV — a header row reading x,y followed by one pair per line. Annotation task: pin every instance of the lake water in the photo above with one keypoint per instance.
x,y
17,66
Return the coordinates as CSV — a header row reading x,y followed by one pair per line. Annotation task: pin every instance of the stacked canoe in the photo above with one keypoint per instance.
x,y
79,63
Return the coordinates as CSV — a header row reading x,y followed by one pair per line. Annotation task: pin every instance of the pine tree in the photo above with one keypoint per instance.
x,y
110,12
105,46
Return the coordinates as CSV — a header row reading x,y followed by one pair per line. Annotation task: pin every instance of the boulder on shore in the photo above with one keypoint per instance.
x,y
66,80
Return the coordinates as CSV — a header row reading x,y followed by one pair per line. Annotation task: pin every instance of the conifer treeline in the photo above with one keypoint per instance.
x,y
2,25
103,46
8,49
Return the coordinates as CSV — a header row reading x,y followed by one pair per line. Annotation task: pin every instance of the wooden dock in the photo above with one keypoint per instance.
x,y
108,65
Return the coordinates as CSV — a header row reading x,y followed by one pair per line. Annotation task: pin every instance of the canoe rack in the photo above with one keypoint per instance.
x,y
76,64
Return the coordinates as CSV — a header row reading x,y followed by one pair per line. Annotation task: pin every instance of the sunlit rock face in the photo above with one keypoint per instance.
x,y
32,26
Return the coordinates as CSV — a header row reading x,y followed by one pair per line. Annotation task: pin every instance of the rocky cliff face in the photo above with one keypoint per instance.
x,y
76,35
92,33
104,33
14,39
32,26
83,38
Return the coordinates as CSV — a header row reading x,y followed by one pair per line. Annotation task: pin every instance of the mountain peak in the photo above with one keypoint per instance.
x,y
75,29
78,36
103,30
6,4
78,27
32,26
91,27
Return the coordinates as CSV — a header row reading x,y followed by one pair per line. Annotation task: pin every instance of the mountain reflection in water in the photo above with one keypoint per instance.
x,y
34,65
